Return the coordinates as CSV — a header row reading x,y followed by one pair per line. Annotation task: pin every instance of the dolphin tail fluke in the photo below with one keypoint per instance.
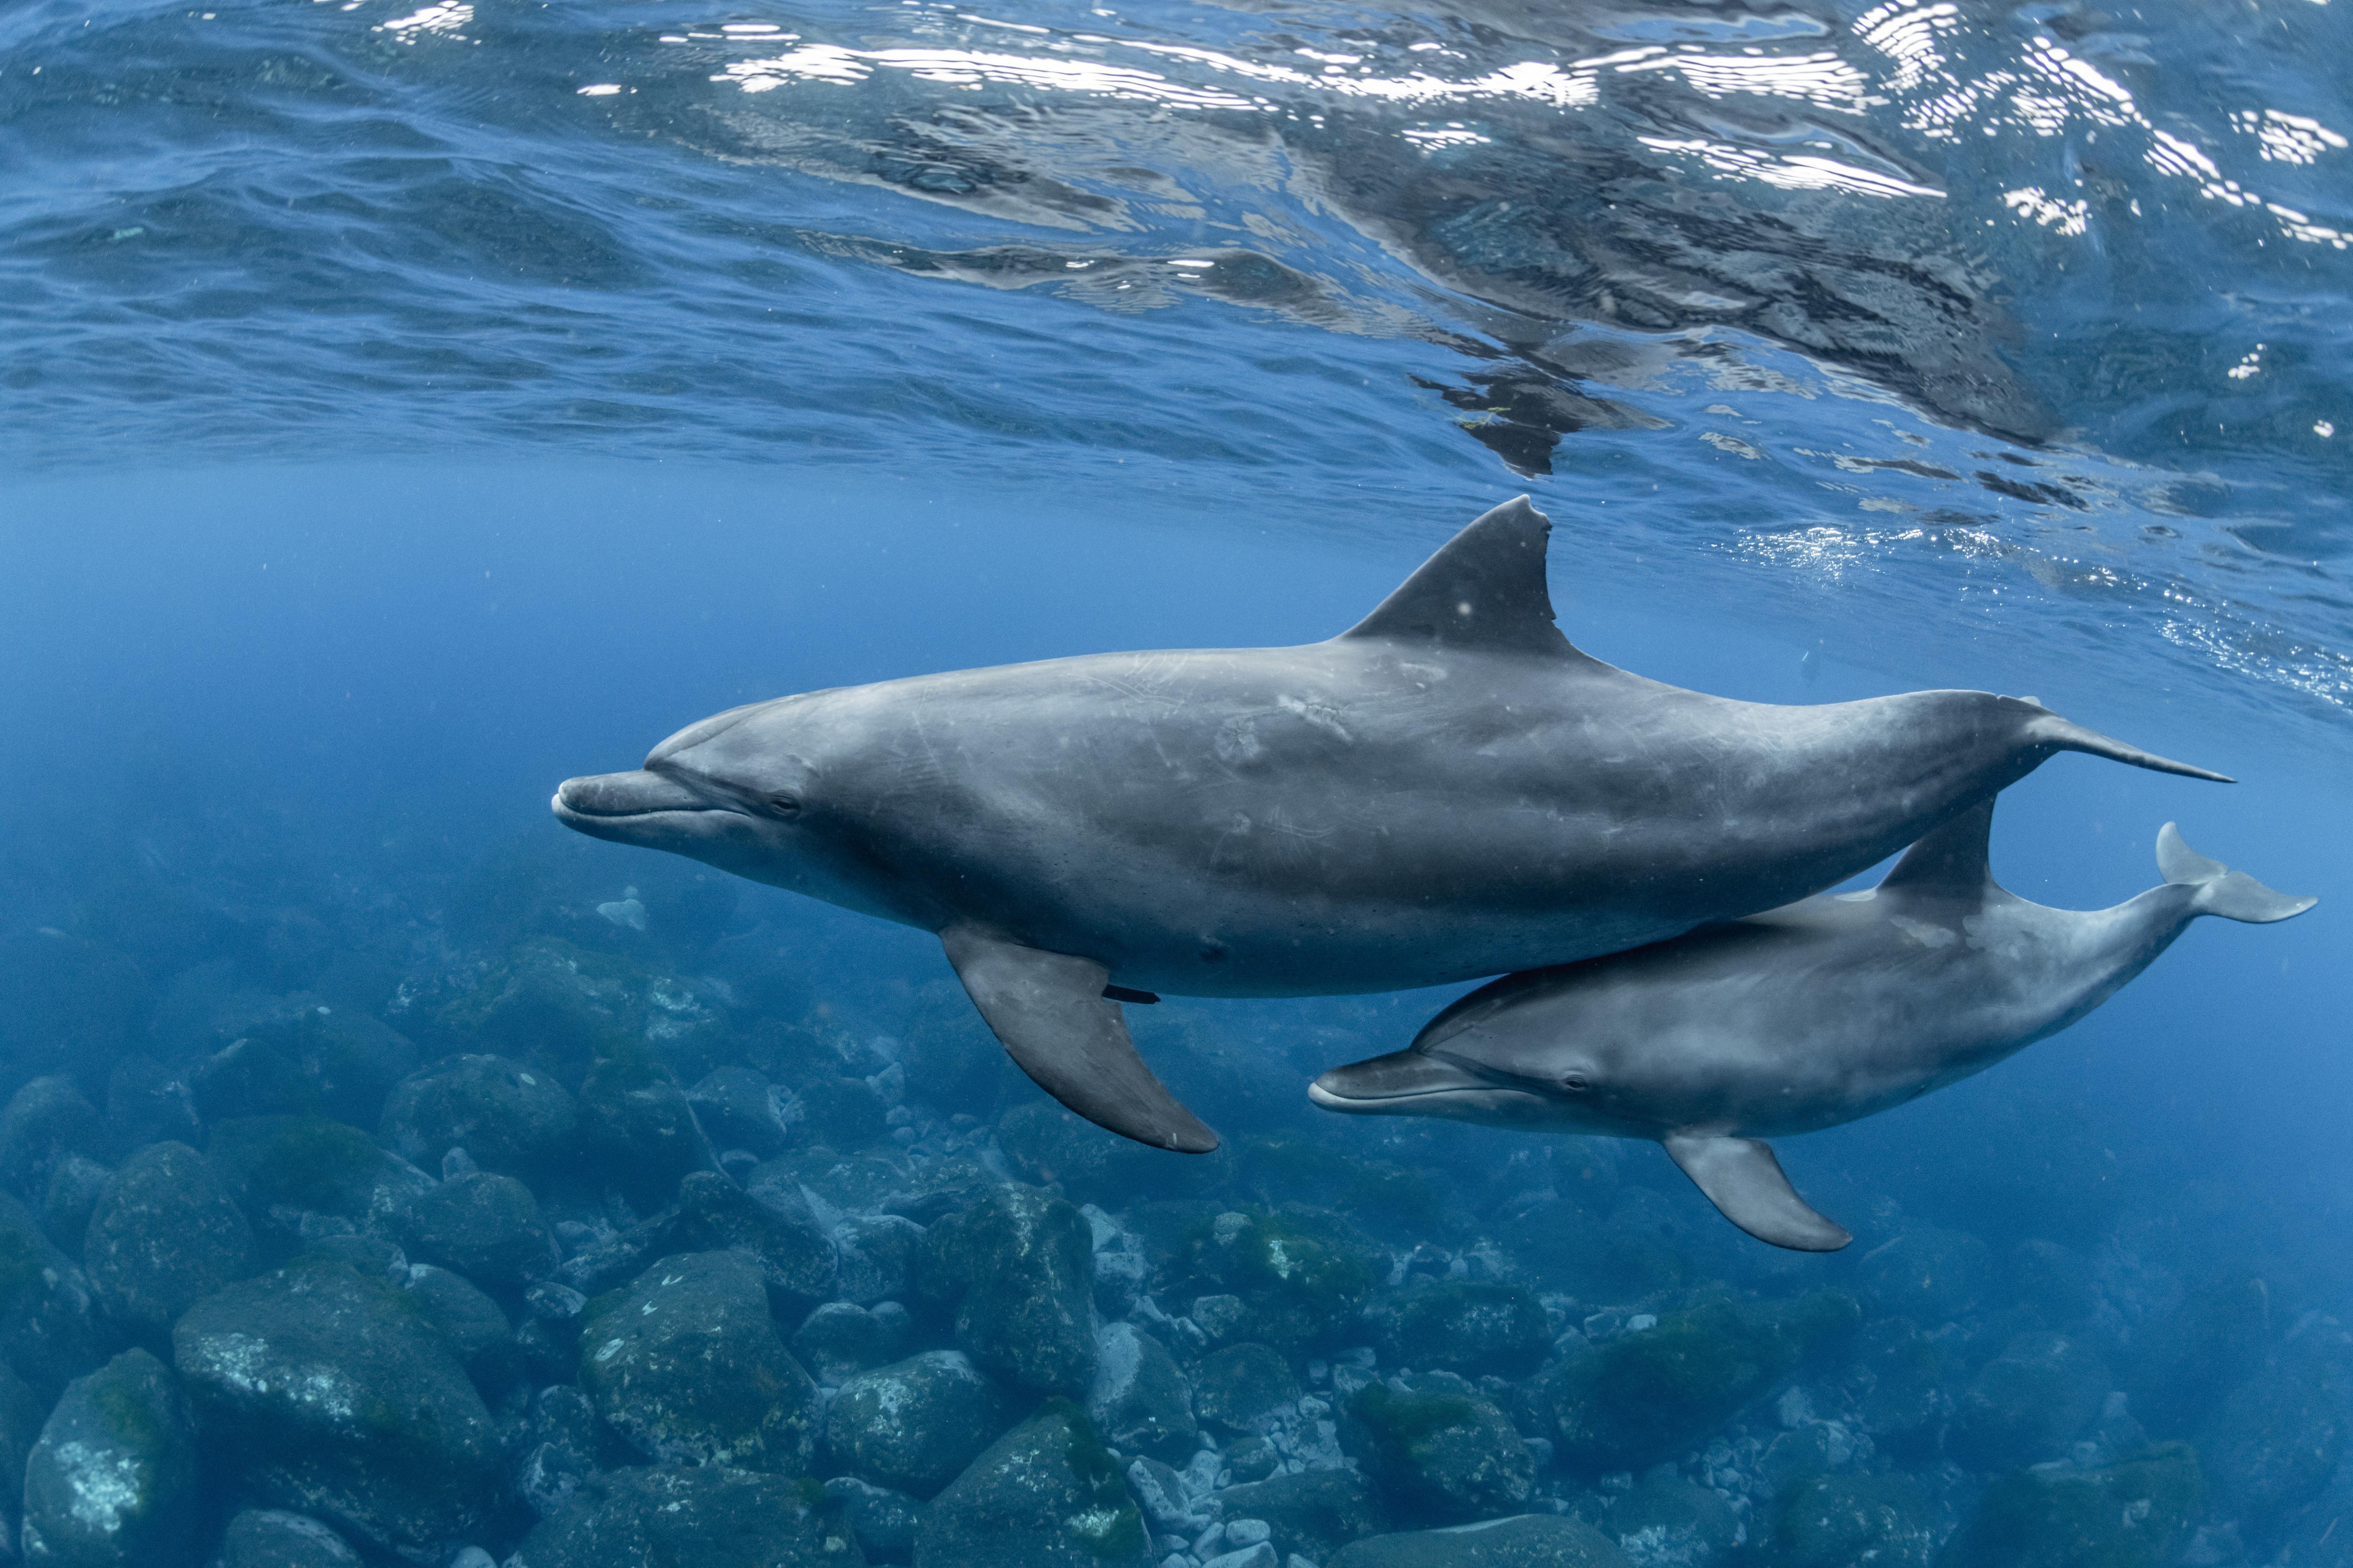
x,y
2052,730
1049,1011
1745,1182
2233,895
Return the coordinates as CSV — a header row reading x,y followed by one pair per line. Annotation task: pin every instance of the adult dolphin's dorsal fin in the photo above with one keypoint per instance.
x,y
1484,589
1049,1011
1950,861
1744,1180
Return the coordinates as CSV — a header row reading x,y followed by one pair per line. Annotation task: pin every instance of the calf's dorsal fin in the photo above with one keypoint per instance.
x,y
1950,860
1484,590
1744,1180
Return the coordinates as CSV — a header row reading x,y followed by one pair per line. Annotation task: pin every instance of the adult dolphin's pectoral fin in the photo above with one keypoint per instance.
x,y
1744,1180
1049,1011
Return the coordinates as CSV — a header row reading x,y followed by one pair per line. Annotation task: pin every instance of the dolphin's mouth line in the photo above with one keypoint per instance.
x,y
1474,1081
566,808
613,800
1322,1095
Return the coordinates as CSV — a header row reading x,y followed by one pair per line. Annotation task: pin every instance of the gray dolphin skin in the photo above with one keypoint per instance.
x,y
1445,790
1828,1010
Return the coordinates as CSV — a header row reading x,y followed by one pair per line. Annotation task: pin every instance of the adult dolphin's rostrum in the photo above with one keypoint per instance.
x,y
1799,1018
1444,791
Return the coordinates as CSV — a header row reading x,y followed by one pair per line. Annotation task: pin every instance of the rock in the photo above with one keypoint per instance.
x,y
604,1265
636,1120
840,1339
1837,1521
372,1255
67,1002
2053,1282
352,1059
321,1390
740,1108
1303,1278
563,1443
112,1482
250,1078
147,1104
167,1232
2028,1403
43,1123
1312,1514
474,1326
953,1062
842,1113
1047,1145
1251,1458
1442,1453
798,1261
2274,1440
708,1516
77,1183
22,1413
1122,1279
1045,1495
1468,1326
49,1331
2131,1515
482,1225
1667,1523
510,1119
880,1255
1798,1456
558,1004
882,1521
1018,1267
299,1058
1256,1555
685,1363
1527,1540
1140,1400
266,1538
1903,1404
1645,1395
1928,1275
2187,1358
1402,1204
1220,1317
1240,1384
308,1162
914,1426
1585,1177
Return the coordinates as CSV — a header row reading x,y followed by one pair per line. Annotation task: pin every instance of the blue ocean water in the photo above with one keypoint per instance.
x,y
408,407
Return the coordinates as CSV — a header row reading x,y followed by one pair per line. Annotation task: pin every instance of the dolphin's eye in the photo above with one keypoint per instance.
x,y
785,805
1574,1082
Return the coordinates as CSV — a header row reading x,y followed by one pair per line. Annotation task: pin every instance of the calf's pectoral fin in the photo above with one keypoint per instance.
x,y
1049,1011
1744,1180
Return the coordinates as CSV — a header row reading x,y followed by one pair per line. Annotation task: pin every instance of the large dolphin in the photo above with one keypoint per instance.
x,y
1446,790
1827,1011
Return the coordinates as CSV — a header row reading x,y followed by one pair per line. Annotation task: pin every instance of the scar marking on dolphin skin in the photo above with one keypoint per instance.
x,y
1926,934
1237,741
1322,715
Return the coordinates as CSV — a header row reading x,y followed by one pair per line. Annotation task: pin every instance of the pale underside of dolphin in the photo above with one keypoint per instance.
x,y
1446,790
1832,1009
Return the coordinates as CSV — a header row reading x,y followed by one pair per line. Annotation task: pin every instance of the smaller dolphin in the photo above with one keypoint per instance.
x,y
1824,1011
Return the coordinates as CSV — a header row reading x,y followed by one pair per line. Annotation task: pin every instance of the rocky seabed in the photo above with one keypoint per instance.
x,y
562,1260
